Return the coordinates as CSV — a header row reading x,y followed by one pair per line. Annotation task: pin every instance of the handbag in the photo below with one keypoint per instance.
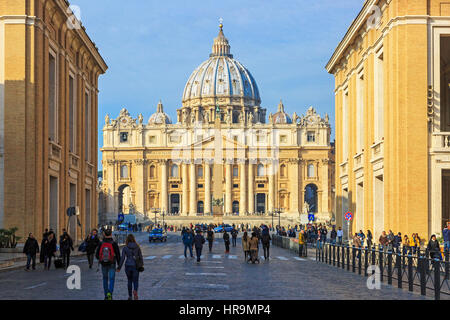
x,y
59,263
83,247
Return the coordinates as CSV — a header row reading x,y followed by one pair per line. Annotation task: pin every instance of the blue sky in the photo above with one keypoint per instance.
x,y
151,48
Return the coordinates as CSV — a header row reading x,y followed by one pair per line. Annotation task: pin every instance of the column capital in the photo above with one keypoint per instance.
x,y
325,161
228,161
241,161
111,162
208,161
162,161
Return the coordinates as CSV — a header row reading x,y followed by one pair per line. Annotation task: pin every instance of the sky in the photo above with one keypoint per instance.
x,y
152,47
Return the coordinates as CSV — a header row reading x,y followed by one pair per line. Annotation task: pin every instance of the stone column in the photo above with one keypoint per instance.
x,y
294,186
243,188
164,189
251,183
140,183
271,196
207,174
185,195
228,188
192,190
110,201
325,207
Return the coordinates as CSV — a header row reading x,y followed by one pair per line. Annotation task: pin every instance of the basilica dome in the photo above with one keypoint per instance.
x,y
221,76
281,117
160,117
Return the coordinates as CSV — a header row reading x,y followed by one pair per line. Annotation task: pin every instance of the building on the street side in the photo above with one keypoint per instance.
x,y
49,71
393,117
220,148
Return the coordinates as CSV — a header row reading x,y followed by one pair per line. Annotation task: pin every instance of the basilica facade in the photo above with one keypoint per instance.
x,y
221,157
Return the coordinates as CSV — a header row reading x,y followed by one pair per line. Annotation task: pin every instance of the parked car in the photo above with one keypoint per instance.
x,y
157,235
223,227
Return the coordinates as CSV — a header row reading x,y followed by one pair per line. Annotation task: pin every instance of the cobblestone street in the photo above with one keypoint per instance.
x,y
169,276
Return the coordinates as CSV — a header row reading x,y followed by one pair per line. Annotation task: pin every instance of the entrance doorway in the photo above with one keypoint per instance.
x,y
175,204
236,207
445,198
261,203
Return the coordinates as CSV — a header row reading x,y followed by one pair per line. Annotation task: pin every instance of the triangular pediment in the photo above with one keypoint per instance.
x,y
210,143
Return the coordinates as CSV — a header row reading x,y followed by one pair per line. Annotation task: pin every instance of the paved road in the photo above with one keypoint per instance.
x,y
168,275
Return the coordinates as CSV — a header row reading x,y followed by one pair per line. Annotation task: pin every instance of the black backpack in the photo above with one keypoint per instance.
x,y
138,259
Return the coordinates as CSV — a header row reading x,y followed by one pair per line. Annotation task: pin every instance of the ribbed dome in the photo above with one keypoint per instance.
x,y
160,117
281,117
221,76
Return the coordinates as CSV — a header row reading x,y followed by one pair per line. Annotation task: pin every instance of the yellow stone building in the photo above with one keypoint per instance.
x,y
393,117
49,71
220,147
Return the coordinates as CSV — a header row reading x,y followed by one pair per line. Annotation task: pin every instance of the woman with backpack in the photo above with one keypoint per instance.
x,y
134,263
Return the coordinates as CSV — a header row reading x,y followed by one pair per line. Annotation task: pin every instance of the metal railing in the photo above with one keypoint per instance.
x,y
414,269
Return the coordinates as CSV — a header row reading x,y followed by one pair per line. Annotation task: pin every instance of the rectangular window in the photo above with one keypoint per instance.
x,y
72,115
235,172
311,137
87,127
200,186
235,186
200,172
52,99
123,136
152,139
360,113
379,97
283,139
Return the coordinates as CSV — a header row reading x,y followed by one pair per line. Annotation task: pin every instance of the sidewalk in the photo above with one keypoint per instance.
x,y
14,261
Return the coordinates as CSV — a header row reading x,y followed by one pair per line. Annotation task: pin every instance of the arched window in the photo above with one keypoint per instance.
x,y
311,197
236,207
174,171
260,171
152,172
311,171
283,171
124,171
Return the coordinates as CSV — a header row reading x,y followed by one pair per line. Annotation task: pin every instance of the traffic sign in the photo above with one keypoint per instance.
x,y
348,216
311,217
121,217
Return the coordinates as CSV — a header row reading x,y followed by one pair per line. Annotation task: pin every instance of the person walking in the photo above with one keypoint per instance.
x,y
92,242
369,239
210,237
340,235
31,248
108,255
333,235
383,241
234,234
253,244
434,248
301,243
357,244
226,240
246,246
48,249
134,262
188,240
199,240
65,247
446,236
265,240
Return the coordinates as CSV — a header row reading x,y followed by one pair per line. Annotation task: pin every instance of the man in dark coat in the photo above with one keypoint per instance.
x,y
266,242
234,234
226,240
48,249
31,248
199,240
92,242
66,246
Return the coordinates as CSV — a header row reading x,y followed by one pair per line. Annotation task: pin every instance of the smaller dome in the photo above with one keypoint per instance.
x,y
160,117
281,117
